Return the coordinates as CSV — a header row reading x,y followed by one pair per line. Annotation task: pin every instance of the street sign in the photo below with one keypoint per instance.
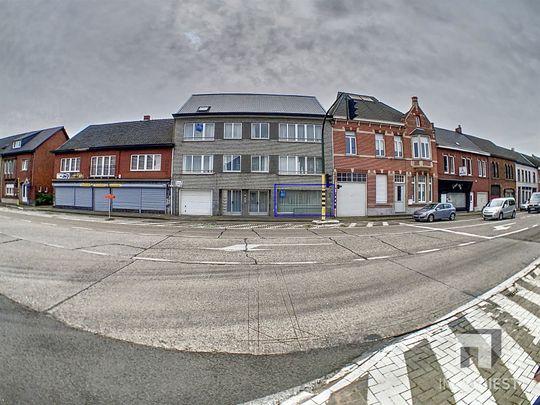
x,y
282,193
463,171
110,196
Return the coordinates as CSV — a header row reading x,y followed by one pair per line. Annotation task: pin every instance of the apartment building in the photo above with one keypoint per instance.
x,y
385,160
250,155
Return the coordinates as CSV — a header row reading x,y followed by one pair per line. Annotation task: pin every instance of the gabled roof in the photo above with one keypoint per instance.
x,y
30,141
535,160
368,107
499,151
247,103
122,135
449,139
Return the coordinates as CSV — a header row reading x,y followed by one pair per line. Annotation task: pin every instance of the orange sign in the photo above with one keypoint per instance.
x,y
110,197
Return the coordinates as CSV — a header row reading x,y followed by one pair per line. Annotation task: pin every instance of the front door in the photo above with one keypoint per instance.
x,y
258,202
24,193
234,202
399,193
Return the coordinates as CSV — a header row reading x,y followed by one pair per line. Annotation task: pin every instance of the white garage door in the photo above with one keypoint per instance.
x,y
481,200
351,200
196,202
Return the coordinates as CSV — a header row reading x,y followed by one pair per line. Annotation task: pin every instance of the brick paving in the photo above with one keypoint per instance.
x,y
439,366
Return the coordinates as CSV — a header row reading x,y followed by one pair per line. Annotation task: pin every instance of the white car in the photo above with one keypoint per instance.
x,y
500,208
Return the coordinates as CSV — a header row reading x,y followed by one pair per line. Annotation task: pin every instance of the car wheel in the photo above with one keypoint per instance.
x,y
513,214
430,218
501,216
452,216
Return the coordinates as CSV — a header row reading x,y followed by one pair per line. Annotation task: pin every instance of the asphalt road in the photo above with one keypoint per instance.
x,y
304,301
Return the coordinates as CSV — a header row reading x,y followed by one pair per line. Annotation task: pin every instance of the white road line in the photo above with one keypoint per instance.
x,y
352,225
151,259
535,225
291,263
389,383
47,223
210,262
81,227
529,295
448,231
518,362
467,243
509,233
378,257
361,259
428,251
369,224
55,246
26,220
461,380
385,223
93,252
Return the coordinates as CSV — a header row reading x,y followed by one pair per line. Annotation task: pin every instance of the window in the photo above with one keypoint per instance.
x,y
417,118
103,166
446,164
421,147
232,163
199,132
452,164
145,163
9,167
350,143
468,162
10,189
16,144
260,130
398,147
381,190
198,164
421,196
379,145
482,168
300,132
300,165
259,164
351,177
25,165
70,165
232,131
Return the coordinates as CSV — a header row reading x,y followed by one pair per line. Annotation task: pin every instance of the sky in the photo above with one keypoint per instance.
x,y
81,62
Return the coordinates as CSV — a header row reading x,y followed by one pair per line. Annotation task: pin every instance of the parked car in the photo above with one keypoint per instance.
x,y
524,206
500,208
434,211
534,203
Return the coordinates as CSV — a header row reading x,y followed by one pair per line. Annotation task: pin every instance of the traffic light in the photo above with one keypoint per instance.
x,y
352,110
328,179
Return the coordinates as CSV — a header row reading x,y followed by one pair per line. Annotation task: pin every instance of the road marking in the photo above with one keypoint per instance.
x,y
503,227
81,227
369,224
361,259
428,251
291,263
55,246
467,243
151,259
352,225
378,257
210,262
47,223
535,225
26,220
509,233
93,252
448,231
385,223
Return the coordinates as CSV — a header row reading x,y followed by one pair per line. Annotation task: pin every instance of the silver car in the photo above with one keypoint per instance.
x,y
500,208
434,211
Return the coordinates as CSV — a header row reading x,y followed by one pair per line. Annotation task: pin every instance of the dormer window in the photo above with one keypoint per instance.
x,y
16,144
203,108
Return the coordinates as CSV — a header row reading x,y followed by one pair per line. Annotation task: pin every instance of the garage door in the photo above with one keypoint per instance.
x,y
100,202
481,200
64,196
351,200
196,202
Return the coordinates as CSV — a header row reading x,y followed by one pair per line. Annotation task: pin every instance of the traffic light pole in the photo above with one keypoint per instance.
x,y
323,175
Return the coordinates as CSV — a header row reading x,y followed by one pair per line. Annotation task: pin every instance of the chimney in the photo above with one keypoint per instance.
x,y
146,118
458,129
414,100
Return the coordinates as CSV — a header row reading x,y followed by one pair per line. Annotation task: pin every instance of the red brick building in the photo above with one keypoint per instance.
x,y
384,160
129,160
27,164
463,171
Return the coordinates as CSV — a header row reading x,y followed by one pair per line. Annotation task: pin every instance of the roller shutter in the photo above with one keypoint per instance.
x,y
100,202
154,199
83,197
127,198
64,196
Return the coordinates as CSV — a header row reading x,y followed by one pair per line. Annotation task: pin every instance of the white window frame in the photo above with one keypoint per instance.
x,y
398,146
70,165
103,166
10,190
9,167
208,131
381,191
300,133
235,130
187,161
25,165
263,163
300,165
145,163
446,164
421,188
421,147
228,160
16,144
379,145
452,161
258,127
350,143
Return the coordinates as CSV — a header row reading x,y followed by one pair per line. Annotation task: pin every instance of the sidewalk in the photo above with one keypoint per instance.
x,y
483,353
225,218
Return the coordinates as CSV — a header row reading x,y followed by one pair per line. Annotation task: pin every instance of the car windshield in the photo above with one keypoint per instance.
x,y
429,206
496,203
535,198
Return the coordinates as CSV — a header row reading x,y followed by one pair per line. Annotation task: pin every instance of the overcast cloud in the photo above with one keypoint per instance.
x,y
75,62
